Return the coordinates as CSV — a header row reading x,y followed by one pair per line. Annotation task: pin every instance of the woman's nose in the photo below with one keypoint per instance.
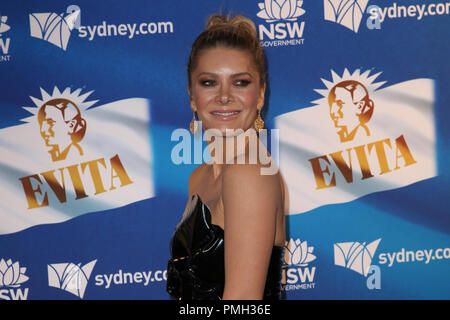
x,y
224,94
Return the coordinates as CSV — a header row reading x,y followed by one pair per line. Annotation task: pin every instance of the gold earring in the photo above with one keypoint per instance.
x,y
259,122
193,125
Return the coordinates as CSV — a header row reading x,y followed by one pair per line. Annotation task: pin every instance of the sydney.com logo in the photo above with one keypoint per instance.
x,y
57,28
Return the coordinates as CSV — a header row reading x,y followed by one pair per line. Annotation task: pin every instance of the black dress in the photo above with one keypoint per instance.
x,y
197,269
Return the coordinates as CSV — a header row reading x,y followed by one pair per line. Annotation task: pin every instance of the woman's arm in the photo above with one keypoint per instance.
x,y
251,201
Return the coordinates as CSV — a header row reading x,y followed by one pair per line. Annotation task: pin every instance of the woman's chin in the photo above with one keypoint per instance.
x,y
226,131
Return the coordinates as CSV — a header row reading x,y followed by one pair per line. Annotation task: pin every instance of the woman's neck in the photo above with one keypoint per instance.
x,y
226,150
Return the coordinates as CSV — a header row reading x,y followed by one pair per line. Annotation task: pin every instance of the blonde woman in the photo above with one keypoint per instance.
x,y
229,243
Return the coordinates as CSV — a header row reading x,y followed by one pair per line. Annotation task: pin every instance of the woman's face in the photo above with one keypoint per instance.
x,y
225,89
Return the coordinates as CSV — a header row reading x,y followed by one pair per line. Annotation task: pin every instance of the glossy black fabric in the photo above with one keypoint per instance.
x,y
196,270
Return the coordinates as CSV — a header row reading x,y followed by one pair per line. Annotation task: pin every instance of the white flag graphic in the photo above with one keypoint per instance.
x,y
357,140
109,168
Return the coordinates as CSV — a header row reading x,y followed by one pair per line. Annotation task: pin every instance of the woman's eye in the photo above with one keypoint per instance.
x,y
242,83
207,83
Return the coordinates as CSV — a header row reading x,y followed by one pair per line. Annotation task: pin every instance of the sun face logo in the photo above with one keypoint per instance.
x,y
350,108
61,124
349,103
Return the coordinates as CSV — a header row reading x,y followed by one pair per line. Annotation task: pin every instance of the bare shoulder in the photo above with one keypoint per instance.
x,y
246,181
251,174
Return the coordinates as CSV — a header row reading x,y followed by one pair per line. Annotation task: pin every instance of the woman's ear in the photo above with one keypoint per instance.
x,y
191,100
261,97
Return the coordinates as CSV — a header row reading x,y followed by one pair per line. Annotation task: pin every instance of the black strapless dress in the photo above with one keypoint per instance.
x,y
197,268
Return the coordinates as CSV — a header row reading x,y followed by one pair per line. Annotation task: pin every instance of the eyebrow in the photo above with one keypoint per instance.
x,y
233,76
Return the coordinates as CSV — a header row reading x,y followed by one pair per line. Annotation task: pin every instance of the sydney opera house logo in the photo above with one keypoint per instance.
x,y
61,124
70,277
3,26
54,28
355,256
348,13
274,10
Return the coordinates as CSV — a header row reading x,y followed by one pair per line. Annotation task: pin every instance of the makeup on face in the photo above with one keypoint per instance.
x,y
225,89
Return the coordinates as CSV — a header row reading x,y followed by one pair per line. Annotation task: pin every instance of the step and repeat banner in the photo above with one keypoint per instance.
x,y
94,113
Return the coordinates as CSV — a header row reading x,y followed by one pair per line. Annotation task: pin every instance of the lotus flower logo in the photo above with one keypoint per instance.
x,y
274,10
11,274
70,277
298,253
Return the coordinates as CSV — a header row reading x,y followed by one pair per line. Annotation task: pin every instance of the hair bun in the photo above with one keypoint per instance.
x,y
216,20
238,22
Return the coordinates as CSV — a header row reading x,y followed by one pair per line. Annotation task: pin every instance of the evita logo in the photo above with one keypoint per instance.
x,y
4,40
297,273
351,109
62,127
12,276
281,27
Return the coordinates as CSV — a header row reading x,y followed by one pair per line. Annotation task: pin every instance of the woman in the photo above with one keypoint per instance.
x,y
229,244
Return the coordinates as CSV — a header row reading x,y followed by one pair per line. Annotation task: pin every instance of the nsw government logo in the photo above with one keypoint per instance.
x,y
297,274
12,276
282,27
70,277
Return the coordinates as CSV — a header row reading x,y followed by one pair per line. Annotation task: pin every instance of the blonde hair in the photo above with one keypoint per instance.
x,y
237,32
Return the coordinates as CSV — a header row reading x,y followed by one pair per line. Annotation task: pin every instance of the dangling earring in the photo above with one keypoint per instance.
x,y
193,124
259,122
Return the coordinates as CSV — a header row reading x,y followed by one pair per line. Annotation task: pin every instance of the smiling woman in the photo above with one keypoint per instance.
x,y
230,241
